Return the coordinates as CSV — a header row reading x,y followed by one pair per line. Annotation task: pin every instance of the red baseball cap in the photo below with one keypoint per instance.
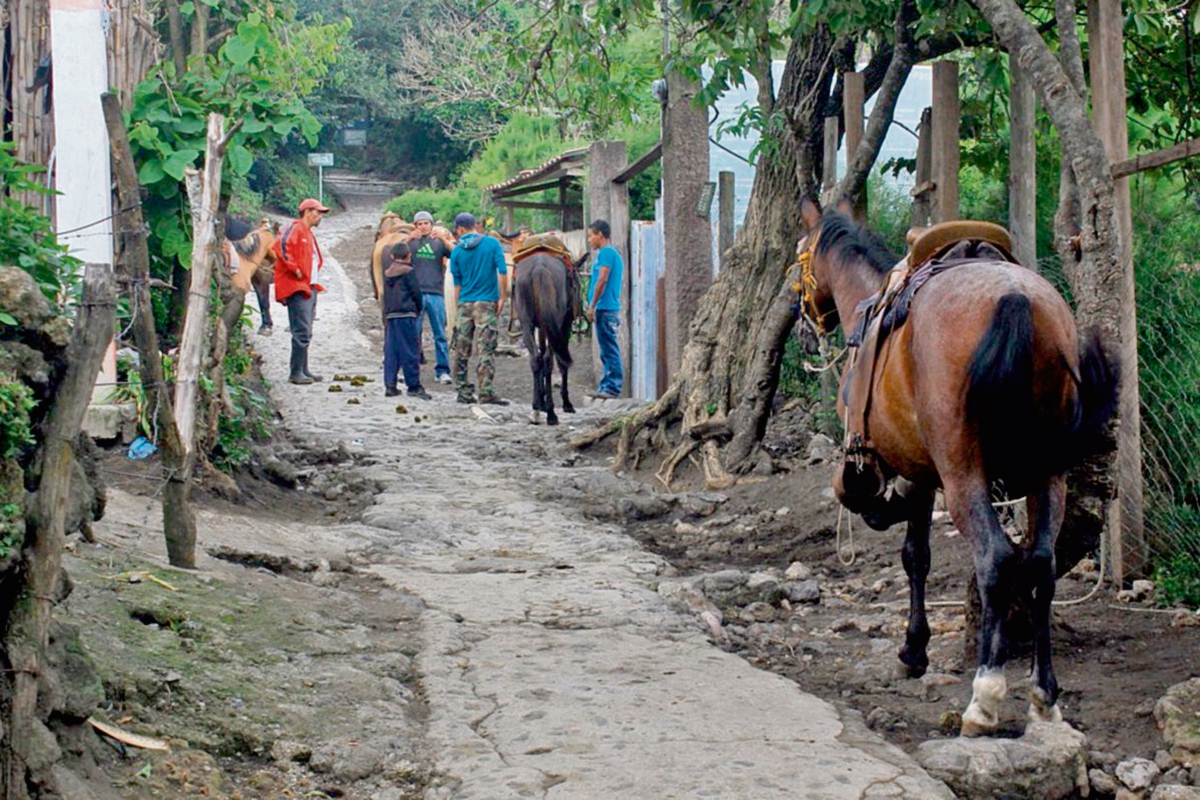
x,y
312,202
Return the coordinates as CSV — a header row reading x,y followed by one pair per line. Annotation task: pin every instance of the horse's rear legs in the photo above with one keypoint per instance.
x,y
1046,509
915,555
995,566
566,399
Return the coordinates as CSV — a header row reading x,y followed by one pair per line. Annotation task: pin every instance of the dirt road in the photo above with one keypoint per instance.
x,y
486,629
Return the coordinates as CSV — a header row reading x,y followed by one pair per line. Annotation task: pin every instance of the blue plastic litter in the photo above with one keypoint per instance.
x,y
140,448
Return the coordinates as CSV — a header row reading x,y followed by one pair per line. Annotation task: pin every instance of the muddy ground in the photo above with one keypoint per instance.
x,y
218,660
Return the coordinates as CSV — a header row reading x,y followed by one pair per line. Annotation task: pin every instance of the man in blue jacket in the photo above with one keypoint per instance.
x,y
480,284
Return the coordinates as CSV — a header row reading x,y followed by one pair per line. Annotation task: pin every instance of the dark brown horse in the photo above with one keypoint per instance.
x,y
986,381
543,298
249,258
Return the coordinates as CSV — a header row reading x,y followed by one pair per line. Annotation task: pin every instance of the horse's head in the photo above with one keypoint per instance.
x,y
816,288
390,222
842,263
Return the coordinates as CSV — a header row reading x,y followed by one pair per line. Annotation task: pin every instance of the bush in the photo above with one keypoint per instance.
x,y
444,204
16,430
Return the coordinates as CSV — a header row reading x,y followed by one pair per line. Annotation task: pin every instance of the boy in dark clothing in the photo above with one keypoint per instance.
x,y
401,324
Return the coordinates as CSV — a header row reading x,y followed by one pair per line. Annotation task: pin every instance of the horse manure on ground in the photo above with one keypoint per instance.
x,y
353,401
402,409
333,387
341,377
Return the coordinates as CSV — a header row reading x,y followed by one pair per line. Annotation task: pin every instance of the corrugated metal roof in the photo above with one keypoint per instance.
x,y
560,166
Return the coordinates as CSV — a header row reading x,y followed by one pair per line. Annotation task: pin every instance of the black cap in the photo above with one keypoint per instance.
x,y
465,220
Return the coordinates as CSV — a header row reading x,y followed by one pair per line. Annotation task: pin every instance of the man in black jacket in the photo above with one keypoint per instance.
x,y
401,324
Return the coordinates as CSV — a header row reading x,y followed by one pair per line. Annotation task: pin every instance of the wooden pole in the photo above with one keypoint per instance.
x,y
1106,54
28,633
1022,168
179,521
829,162
944,140
204,192
923,190
726,200
853,98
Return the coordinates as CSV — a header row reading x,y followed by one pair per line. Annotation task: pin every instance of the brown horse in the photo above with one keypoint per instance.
x,y
250,260
543,292
986,380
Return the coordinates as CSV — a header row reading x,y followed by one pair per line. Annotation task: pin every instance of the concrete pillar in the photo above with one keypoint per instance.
x,y
610,202
687,234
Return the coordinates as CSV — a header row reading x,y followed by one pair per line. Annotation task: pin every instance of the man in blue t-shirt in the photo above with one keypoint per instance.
x,y
480,284
604,306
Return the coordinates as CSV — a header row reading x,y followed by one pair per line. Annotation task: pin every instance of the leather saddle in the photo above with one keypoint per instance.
x,y
862,479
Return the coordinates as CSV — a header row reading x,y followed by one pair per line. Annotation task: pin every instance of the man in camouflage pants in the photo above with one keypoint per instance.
x,y
480,284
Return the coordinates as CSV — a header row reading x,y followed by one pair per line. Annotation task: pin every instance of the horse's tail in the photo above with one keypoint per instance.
x,y
1019,444
557,321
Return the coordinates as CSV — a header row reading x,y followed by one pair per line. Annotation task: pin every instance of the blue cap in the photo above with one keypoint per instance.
x,y
465,220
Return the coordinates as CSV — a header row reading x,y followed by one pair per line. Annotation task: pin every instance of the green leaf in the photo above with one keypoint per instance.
x,y
254,126
177,162
151,172
7,318
240,159
238,50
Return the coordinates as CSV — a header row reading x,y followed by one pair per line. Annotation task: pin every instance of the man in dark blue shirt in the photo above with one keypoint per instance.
x,y
604,306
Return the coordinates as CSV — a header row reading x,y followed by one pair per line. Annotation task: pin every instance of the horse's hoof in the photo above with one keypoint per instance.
x,y
1043,714
551,420
977,722
568,409
913,667
535,418
265,330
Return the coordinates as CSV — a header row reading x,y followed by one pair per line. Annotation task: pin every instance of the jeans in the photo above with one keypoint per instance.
x,y
402,351
434,308
606,327
300,320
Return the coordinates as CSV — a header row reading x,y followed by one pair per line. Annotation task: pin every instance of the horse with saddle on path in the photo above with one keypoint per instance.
x,y
965,369
547,301
250,261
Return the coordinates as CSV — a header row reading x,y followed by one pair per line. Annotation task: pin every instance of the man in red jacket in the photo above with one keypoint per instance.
x,y
297,263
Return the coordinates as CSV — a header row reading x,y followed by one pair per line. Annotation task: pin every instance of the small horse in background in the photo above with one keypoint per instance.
x,y
250,261
543,294
985,380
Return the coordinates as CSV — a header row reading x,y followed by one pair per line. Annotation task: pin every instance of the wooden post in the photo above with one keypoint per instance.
x,y
829,162
944,140
726,200
687,235
28,631
179,521
1107,61
204,193
1022,168
32,129
923,190
853,98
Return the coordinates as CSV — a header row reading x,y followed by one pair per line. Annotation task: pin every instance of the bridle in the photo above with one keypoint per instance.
x,y
807,286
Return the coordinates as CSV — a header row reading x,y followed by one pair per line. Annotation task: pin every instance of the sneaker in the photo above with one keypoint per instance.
x,y
467,399
493,400
265,330
444,378
421,393
391,391
604,396
300,380
315,378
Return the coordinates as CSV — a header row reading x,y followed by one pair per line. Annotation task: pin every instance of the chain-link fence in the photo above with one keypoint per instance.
x,y
1169,372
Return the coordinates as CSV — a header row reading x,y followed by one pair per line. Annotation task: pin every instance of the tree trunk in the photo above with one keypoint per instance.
x,y
179,522
1097,281
33,748
724,349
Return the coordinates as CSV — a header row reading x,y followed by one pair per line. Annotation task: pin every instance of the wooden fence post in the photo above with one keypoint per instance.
x,y
1022,168
944,140
853,97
